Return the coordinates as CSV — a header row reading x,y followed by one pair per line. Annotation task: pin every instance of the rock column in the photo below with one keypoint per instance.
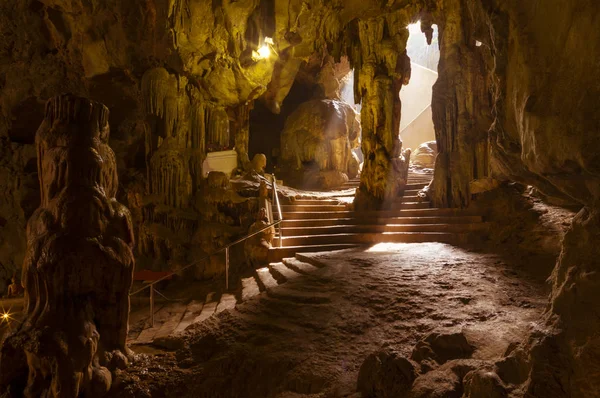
x,y
382,71
78,266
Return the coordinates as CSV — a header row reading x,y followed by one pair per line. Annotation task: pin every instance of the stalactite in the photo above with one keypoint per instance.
x,y
180,18
241,133
198,127
160,93
218,127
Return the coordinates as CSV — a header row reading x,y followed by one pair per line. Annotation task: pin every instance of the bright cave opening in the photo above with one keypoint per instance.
x,y
416,124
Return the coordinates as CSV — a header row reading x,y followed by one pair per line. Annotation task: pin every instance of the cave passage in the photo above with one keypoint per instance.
x,y
416,124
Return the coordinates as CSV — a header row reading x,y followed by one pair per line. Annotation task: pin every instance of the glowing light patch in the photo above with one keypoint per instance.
x,y
386,247
264,52
269,40
478,43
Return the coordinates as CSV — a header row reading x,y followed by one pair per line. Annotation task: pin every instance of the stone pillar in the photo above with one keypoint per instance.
x,y
78,266
461,110
385,170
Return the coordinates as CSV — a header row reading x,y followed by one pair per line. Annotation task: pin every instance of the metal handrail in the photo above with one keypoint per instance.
x,y
276,200
225,248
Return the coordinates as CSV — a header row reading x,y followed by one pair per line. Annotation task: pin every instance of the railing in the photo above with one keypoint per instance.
x,y
225,249
276,201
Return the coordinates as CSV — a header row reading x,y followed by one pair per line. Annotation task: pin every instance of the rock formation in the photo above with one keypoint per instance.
x,y
381,65
257,247
317,144
78,266
424,155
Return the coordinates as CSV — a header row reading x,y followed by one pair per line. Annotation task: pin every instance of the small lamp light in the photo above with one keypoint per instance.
x,y
265,50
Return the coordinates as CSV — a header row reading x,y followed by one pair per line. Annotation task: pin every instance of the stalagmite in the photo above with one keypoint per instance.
x,y
78,266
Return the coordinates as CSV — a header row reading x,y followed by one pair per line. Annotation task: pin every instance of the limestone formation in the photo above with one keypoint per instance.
x,y
317,142
257,247
259,162
424,156
386,374
78,265
381,65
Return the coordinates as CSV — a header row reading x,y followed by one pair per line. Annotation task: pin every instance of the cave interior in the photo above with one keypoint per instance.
x,y
300,198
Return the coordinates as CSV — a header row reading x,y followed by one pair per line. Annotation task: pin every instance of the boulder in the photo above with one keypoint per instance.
x,y
320,134
447,381
424,155
386,374
442,347
483,383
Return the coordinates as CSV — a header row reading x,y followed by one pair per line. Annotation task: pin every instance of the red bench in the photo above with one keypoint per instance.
x,y
151,276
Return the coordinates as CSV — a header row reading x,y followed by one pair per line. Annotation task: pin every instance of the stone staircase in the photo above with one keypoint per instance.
x,y
311,225
314,225
174,317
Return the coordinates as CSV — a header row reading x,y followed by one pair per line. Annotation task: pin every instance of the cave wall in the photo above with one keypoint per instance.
x,y
546,132
90,48
526,114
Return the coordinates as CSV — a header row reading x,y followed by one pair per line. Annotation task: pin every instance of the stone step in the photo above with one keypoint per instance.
x,y
281,273
249,288
161,317
210,306
370,238
168,328
276,254
265,279
193,309
298,296
368,228
411,205
299,266
411,192
398,204
380,221
416,185
376,214
305,258
407,198
227,302
311,208
316,202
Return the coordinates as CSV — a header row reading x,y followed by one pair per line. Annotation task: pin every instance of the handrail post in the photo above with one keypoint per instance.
x,y
227,269
152,305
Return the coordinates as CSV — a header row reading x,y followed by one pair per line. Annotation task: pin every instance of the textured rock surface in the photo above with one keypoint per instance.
x,y
78,265
424,155
319,137
386,375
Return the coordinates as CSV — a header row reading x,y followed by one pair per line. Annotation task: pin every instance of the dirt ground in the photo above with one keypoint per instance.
x,y
311,340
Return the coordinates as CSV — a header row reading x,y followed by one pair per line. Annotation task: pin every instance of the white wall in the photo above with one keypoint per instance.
x,y
419,131
416,96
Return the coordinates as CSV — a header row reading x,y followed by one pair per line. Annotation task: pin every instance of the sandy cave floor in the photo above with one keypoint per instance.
x,y
389,295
